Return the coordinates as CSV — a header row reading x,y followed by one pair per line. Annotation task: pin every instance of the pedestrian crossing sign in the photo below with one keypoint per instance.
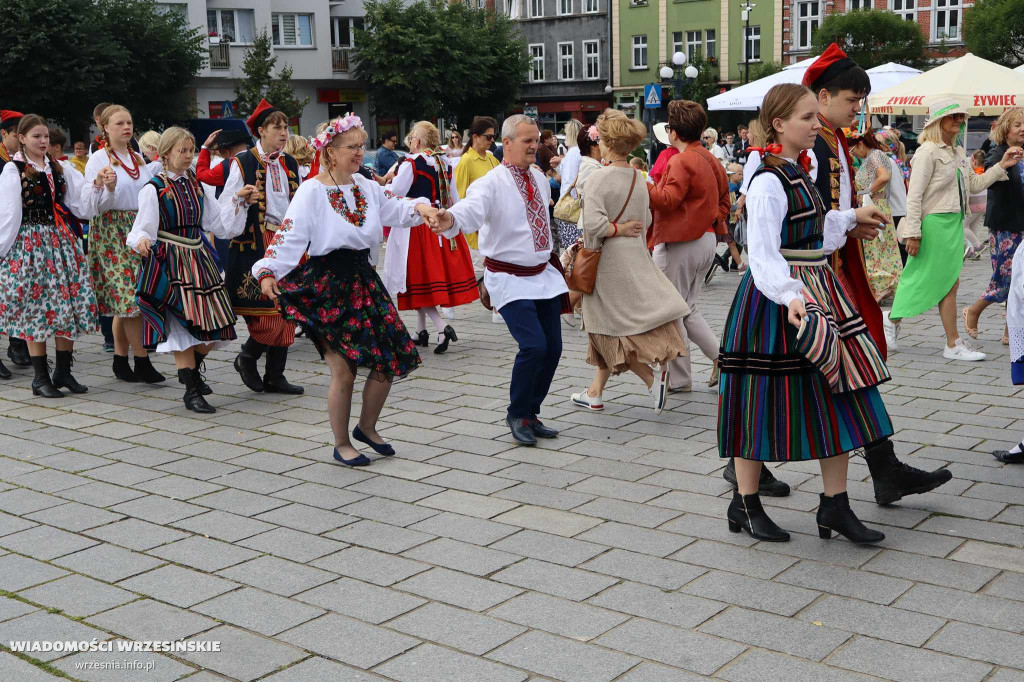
x,y
652,96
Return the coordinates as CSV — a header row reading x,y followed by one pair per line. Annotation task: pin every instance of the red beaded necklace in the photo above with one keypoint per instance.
x,y
357,217
132,172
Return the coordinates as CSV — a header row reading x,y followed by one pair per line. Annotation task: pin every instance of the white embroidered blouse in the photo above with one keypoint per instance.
x,y
125,196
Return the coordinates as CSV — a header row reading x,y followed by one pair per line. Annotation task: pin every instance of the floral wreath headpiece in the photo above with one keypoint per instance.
x,y
335,128
593,134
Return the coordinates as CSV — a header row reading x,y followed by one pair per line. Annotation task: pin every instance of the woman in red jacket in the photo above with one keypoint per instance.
x,y
691,210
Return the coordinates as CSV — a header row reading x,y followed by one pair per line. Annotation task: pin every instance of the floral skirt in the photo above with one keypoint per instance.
x,y
341,304
113,264
882,255
1003,246
567,233
44,286
654,347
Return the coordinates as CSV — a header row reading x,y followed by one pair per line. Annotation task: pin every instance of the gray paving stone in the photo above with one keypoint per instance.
x,y
178,586
547,547
429,663
316,495
224,526
388,511
108,562
75,517
178,487
99,494
768,631
158,668
123,473
462,556
758,665
78,596
25,501
243,655
469,504
560,581
672,608
361,600
1008,585
348,640
381,536
988,554
12,608
475,463
157,509
644,540
41,626
665,573
45,542
465,630
150,620
316,669
558,616
366,564
644,515
277,575
955,574
18,572
306,519
14,668
548,520
292,544
136,534
563,659
203,553
980,643
458,589
753,593
845,582
544,496
14,524
239,502
736,559
673,646
903,663
49,480
980,609
259,611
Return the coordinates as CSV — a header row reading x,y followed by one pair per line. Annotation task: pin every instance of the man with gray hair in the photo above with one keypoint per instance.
x,y
509,207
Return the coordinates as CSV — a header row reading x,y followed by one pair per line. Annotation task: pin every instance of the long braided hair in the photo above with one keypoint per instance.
x,y
105,117
27,123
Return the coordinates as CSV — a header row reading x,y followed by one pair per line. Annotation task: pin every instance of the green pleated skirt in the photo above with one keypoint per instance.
x,y
931,274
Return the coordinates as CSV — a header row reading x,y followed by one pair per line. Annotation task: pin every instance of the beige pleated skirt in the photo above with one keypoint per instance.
x,y
657,346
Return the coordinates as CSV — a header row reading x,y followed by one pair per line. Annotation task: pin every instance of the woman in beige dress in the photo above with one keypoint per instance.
x,y
632,315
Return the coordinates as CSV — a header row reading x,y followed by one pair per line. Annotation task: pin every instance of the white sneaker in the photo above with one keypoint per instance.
x,y
591,402
659,389
961,351
892,332
448,313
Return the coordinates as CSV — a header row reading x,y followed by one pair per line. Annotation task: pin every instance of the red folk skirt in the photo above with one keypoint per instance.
x,y
437,274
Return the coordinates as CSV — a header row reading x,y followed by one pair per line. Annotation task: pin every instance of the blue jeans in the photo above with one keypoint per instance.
x,y
536,328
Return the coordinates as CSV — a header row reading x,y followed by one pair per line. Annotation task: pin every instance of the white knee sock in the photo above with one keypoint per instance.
x,y
434,316
421,320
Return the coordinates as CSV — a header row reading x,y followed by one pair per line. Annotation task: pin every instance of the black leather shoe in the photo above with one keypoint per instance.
x,y
41,384
193,399
273,379
446,337
62,377
145,370
422,338
360,461
4,372
835,514
746,513
122,370
245,365
1009,457
521,431
767,485
541,431
17,351
380,448
894,480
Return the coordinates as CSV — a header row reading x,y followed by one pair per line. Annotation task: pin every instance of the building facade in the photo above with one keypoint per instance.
x,y
941,22
568,42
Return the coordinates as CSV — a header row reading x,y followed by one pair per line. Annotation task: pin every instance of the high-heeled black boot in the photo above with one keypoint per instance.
x,y
62,374
145,370
122,370
193,399
746,513
444,338
273,380
422,338
835,514
42,385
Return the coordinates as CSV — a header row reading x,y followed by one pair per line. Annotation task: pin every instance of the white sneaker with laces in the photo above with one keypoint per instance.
x,y
659,389
591,402
962,351
892,332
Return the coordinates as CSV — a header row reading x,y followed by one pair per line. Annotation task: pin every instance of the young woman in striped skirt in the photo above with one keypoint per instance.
x,y
185,307
799,369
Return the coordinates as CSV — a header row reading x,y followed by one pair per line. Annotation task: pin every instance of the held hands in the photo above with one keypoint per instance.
x,y
212,138
268,285
869,221
249,193
142,248
1012,155
797,311
913,245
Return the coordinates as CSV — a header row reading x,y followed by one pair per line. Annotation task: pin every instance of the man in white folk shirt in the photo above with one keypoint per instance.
x,y
509,206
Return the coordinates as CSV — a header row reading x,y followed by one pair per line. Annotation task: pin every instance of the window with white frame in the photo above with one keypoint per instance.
x,y
710,46
808,21
564,7
677,42
590,6
232,25
858,4
591,60
752,45
566,62
536,8
693,45
536,63
905,8
946,24
168,7
640,51
292,30
343,31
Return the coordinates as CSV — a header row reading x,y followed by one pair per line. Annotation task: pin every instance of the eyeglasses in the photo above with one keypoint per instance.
x,y
489,138
354,148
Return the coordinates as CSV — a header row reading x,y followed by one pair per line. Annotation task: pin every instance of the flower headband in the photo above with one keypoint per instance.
x,y
335,128
593,134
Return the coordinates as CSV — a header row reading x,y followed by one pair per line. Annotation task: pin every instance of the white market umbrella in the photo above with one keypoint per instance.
x,y
983,87
890,74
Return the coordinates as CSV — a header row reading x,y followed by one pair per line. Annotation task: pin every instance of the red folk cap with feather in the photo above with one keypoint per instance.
x,y
832,62
263,109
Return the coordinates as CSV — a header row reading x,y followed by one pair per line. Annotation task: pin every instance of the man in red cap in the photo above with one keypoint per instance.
x,y
17,350
841,86
259,187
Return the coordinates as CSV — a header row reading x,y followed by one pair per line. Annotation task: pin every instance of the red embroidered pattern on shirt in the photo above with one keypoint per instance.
x,y
278,239
536,213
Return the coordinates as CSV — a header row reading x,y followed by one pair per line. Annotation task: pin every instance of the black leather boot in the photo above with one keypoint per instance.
x,y
17,351
145,370
746,513
835,514
767,485
62,374
444,338
42,385
193,399
200,370
894,480
4,372
422,338
273,380
245,365
122,370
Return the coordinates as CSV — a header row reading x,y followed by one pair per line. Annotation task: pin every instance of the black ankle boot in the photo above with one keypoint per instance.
x,y
767,485
746,513
273,380
62,374
422,338
835,514
446,337
42,385
122,370
894,480
4,372
200,370
245,365
145,370
17,351
193,399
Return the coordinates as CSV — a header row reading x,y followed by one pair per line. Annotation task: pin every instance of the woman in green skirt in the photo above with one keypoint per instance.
x,y
940,183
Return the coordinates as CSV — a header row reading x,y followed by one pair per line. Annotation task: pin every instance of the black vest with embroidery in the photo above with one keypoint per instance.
x,y
36,200
804,224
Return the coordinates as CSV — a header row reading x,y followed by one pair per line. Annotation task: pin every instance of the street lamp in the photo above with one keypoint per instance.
x,y
608,89
678,74
747,42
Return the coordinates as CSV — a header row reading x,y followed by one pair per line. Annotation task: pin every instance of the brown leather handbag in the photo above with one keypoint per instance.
x,y
582,274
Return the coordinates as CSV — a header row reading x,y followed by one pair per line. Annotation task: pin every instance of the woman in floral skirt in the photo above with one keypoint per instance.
x,y
881,255
44,280
335,296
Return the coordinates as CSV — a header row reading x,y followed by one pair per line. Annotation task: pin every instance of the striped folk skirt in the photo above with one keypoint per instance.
x,y
798,394
180,290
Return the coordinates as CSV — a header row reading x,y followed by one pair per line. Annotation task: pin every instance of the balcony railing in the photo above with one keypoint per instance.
x,y
220,56
340,59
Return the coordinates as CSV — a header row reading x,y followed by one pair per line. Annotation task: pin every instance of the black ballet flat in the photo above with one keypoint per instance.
x,y
422,338
360,461
380,448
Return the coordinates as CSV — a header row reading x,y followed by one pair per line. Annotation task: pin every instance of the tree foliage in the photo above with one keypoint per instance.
x,y
994,30
873,37
437,59
764,69
259,82
61,58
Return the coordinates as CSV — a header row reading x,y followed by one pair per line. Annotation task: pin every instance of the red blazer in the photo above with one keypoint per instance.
x,y
211,176
690,199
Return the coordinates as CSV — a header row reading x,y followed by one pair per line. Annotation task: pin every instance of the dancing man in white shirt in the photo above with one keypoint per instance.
x,y
522,276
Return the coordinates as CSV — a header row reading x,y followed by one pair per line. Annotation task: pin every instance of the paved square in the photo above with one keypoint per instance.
x,y
600,555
